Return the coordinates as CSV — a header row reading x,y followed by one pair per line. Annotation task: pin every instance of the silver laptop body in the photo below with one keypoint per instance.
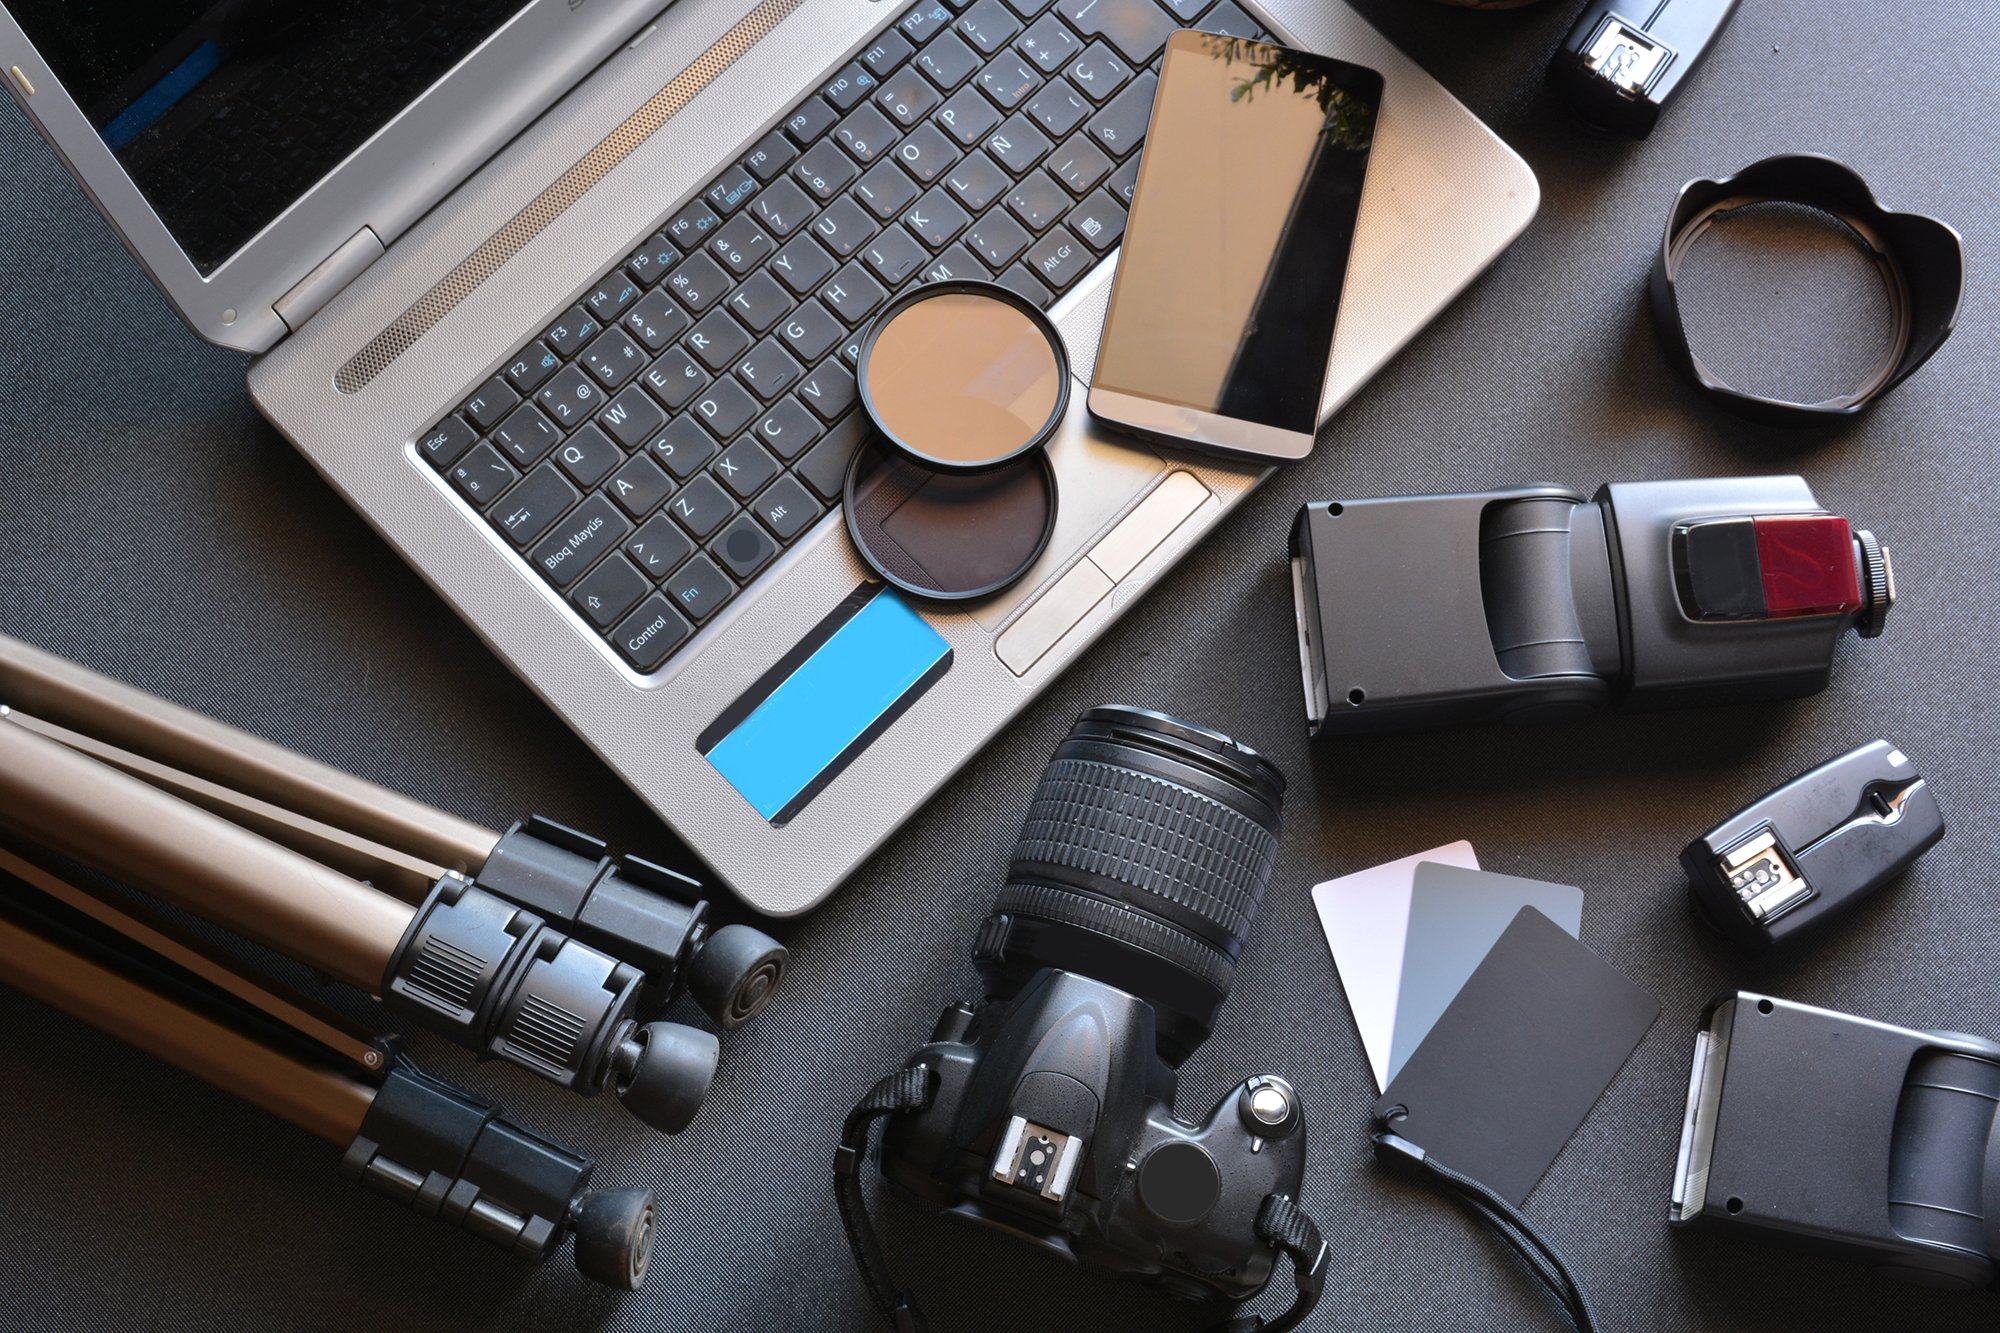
x,y
411,273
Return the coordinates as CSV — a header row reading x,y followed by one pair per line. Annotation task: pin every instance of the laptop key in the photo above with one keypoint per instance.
x,y
828,391
731,191
639,487
977,181
1058,108
698,283
701,506
614,358
1231,21
866,134
811,331
1008,80
675,379
768,369
894,256
1078,164
786,508
483,474
814,118
801,265
767,161
611,296
1187,11
683,447
576,544
1098,72
535,364
447,442
967,116
1058,258
890,50
573,332
787,429
691,226
526,436
612,589
632,418
957,265
1123,181
924,22
659,546
1120,126
824,170
725,407
782,207
824,467
759,302
741,244
1137,28
716,341
490,402
744,468
988,25
533,506
885,190
1050,44
1027,9
743,547
699,589
572,398
851,294
849,87
925,153
1037,200
1017,145
1098,220
650,262
589,456
948,61
936,218
649,635
1021,282
996,239
908,96
842,227
655,321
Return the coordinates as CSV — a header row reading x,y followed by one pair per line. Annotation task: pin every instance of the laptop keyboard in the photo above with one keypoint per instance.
x,y
658,446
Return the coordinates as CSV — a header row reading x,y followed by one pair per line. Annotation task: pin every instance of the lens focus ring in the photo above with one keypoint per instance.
x,y
1158,845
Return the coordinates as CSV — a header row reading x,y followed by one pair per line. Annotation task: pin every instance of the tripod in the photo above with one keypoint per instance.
x,y
534,946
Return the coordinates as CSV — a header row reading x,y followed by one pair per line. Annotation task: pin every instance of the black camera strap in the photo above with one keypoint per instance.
x,y
1281,1223
901,1093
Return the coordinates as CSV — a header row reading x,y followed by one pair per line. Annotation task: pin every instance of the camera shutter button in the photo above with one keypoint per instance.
x,y
1268,1107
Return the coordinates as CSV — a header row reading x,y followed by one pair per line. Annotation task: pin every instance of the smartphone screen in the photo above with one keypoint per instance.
x,y
1222,313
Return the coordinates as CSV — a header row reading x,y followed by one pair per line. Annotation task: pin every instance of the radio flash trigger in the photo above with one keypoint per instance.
x,y
1814,847
1620,66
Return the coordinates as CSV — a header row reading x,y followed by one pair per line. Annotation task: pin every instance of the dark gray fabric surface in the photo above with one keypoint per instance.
x,y
154,528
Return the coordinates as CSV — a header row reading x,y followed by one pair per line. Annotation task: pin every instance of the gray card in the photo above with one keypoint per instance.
x,y
1456,916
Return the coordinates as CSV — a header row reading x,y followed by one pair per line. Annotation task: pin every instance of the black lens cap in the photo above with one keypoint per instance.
x,y
952,536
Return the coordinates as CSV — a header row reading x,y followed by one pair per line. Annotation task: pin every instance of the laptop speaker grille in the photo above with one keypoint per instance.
x,y
382,350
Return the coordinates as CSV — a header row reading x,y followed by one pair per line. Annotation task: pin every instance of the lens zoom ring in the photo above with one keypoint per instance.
x,y
1154,835
1116,922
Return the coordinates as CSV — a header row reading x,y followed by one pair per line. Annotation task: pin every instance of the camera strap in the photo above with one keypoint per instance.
x,y
901,1093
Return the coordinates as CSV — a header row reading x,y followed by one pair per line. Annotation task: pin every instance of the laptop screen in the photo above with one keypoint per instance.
x,y
225,113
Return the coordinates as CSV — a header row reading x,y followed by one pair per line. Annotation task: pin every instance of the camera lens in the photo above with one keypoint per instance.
x,y
1141,864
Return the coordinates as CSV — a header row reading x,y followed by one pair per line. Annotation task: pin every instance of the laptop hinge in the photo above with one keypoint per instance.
x,y
324,283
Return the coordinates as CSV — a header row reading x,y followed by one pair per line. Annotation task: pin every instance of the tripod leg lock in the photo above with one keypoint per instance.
x,y
447,1156
496,979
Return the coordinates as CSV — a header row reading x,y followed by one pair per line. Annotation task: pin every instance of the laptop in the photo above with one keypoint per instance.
x,y
563,296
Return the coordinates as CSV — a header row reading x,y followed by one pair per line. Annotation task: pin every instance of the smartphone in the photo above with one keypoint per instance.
x,y
1221,319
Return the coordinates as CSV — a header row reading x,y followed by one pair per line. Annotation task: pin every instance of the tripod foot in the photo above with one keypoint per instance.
x,y
614,1236
734,972
662,1072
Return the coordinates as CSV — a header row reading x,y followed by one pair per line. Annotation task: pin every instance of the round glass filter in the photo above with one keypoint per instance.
x,y
963,376
952,536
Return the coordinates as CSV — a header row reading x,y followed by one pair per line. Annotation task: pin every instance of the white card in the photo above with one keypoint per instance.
x,y
1366,917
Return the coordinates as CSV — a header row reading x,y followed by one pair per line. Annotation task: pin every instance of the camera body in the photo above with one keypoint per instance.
x,y
1053,1119
1533,605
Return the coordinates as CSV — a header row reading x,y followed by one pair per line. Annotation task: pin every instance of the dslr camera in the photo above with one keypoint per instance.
x,y
1047,1110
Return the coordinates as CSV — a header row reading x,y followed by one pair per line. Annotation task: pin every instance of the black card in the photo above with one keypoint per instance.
x,y
1519,1057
